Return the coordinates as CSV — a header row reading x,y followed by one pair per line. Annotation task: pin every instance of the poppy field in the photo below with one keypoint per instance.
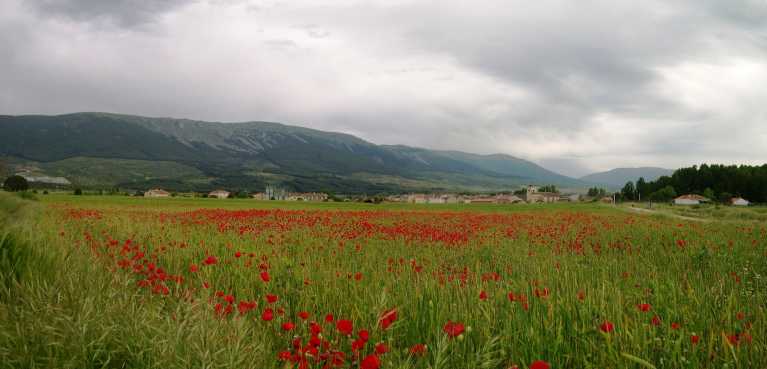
x,y
145,284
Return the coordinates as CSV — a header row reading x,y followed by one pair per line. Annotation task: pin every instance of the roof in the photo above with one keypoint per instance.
x,y
738,199
692,197
157,190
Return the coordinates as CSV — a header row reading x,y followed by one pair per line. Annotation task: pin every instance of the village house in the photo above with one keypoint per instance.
x,y
507,199
156,192
219,194
739,201
690,199
417,198
308,196
532,195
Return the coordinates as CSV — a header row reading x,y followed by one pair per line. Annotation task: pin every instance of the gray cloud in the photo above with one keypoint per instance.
x,y
576,86
123,13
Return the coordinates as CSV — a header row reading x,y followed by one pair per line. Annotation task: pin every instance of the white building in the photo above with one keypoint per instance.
x,y
156,192
691,199
739,201
220,194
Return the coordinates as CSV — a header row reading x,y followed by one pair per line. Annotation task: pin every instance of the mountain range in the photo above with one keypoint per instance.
x,y
618,177
99,150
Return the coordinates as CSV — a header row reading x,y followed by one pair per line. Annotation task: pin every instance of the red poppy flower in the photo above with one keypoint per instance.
x,y
540,364
606,327
358,344
329,318
381,348
288,326
370,362
237,254
482,295
345,327
675,326
284,355
364,335
265,276
210,260
303,315
655,320
644,307
419,349
694,339
193,268
453,329
387,318
271,298
267,315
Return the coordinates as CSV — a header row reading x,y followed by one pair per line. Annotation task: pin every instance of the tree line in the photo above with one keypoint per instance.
x,y
716,182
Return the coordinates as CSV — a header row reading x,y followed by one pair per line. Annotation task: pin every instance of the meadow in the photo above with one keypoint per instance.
x,y
117,282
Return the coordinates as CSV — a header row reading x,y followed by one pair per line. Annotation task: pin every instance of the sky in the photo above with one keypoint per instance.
x,y
576,86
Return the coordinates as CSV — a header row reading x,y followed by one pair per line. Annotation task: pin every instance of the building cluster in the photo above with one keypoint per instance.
x,y
693,199
531,194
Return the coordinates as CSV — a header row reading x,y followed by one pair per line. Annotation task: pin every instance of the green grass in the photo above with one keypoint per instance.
x,y
73,307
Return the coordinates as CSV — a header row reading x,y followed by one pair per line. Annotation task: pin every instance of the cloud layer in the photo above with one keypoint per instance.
x,y
576,86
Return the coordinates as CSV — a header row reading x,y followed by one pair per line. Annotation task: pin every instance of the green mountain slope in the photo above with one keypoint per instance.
x,y
247,156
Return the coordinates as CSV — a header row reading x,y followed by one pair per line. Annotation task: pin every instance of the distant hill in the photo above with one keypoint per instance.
x,y
618,177
102,149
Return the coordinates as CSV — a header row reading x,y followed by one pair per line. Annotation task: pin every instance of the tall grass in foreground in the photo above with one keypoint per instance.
x,y
79,301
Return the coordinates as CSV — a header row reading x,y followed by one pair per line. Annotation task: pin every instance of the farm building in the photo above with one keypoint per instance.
x,y
690,199
220,194
507,199
739,201
156,192
541,197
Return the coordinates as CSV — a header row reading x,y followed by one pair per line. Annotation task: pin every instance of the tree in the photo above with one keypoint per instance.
x,y
548,188
709,194
642,188
664,194
597,192
78,192
16,183
628,192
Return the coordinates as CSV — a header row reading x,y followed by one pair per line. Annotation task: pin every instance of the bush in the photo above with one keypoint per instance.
x,y
78,192
16,184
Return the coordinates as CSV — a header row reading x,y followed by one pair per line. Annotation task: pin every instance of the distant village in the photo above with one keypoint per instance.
x,y
529,194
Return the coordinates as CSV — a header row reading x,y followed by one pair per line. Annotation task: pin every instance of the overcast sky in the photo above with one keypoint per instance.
x,y
577,86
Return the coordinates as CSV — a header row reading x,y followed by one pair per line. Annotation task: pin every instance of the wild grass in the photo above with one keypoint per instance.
x,y
68,307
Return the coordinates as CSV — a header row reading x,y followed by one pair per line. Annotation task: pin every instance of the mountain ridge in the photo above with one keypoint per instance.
x,y
252,154
618,177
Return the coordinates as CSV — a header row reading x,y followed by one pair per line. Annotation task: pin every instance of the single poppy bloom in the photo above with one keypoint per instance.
x,y
284,355
265,276
482,295
345,327
419,349
329,318
358,344
370,362
288,326
675,326
358,276
303,315
210,260
237,254
193,268
267,315
694,339
271,298
453,329
381,348
540,364
364,335
655,320
315,328
606,327
229,298
387,318
644,307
